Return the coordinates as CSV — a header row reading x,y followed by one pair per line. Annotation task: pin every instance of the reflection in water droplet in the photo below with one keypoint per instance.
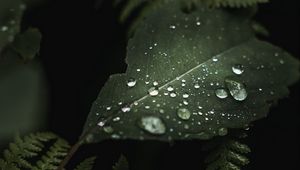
x,y
153,91
183,113
222,131
238,69
236,89
221,93
126,109
152,124
131,82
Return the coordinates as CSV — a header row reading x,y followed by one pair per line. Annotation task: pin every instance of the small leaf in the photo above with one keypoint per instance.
x,y
191,76
122,164
27,44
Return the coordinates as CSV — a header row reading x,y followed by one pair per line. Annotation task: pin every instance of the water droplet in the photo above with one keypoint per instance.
x,y
116,119
183,113
108,108
115,136
281,61
138,70
173,94
215,59
222,131
155,83
185,95
196,86
170,88
221,93
238,69
185,102
101,123
131,82
126,109
108,129
161,111
236,89
153,125
153,91
198,23
173,27
4,28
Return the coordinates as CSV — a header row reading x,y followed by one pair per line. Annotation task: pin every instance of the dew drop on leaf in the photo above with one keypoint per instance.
x,y
236,89
222,131
196,86
4,28
116,119
173,27
185,95
221,93
152,124
101,124
126,109
183,113
238,69
173,94
170,88
131,82
153,91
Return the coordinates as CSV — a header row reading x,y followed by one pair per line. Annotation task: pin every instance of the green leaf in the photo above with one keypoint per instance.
x,y
122,164
27,44
11,12
191,76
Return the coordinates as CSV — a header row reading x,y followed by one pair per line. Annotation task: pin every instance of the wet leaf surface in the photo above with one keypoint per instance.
x,y
191,76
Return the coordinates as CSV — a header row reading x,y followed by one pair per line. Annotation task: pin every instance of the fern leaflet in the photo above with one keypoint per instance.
x,y
87,164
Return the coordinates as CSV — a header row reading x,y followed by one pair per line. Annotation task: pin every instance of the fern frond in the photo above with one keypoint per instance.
x,y
21,152
229,155
87,164
122,164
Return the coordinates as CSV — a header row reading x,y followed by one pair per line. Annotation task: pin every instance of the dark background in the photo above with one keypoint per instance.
x,y
82,46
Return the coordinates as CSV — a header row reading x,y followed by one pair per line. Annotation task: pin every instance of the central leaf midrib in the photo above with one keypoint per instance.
x,y
192,69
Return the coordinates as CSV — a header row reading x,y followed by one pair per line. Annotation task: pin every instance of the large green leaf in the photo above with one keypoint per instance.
x,y
11,12
191,76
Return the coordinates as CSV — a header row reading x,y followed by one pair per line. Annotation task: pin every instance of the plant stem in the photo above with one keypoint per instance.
x,y
72,151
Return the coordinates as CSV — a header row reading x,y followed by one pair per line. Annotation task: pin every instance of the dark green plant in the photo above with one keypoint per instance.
x,y
195,71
